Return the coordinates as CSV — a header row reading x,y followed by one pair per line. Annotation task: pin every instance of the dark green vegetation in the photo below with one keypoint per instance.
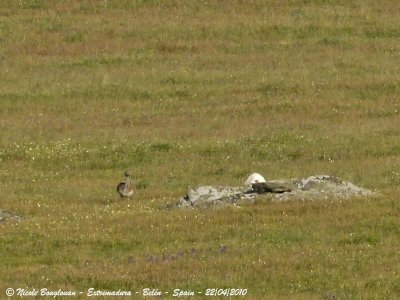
x,y
184,93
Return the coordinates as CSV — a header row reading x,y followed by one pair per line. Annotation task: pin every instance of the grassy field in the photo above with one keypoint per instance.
x,y
188,93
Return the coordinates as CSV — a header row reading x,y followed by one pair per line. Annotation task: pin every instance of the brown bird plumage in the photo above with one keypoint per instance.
x,y
269,187
124,189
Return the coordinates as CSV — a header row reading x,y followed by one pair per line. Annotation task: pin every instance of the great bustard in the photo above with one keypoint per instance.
x,y
124,189
261,186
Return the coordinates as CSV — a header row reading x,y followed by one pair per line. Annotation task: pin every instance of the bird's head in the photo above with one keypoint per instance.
x,y
126,174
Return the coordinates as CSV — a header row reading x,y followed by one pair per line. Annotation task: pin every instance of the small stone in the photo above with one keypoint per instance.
x,y
6,214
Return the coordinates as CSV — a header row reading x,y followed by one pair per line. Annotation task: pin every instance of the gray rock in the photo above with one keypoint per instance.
x,y
311,188
322,187
205,196
8,215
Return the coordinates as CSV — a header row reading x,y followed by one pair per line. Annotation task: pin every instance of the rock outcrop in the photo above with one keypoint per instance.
x,y
205,196
311,188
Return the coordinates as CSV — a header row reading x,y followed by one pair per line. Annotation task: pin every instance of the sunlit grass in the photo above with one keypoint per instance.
x,y
186,93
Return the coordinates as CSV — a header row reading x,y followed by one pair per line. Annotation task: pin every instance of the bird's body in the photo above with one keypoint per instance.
x,y
124,189
270,187
259,185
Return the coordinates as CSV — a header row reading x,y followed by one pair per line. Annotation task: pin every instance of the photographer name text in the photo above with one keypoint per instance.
x,y
145,292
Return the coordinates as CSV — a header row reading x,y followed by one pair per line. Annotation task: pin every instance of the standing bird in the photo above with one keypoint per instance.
x,y
124,189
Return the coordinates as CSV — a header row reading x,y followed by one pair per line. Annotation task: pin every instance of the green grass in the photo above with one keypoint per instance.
x,y
187,93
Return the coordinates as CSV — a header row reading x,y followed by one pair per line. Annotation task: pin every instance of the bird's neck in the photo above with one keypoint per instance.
x,y
127,182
